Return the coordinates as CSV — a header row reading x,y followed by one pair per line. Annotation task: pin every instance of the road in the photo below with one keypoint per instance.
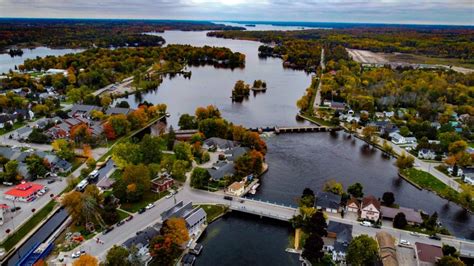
x,y
317,100
186,194
425,166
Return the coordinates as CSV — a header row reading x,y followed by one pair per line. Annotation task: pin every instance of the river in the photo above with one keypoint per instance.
x,y
296,160
7,62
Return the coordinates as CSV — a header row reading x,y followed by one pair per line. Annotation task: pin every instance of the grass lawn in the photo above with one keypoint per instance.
x,y
122,215
425,180
148,197
14,238
116,174
213,211
319,121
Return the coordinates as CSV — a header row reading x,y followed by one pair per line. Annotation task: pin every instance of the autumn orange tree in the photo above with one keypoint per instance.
x,y
86,260
84,207
176,229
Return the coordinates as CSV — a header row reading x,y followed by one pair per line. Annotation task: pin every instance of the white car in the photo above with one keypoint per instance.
x,y
404,242
149,206
365,223
76,255
415,234
169,196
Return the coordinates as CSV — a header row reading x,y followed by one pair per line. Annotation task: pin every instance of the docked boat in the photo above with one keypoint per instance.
x,y
253,190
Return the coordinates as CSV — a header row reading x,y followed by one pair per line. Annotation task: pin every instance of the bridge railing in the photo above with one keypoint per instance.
x,y
261,213
289,206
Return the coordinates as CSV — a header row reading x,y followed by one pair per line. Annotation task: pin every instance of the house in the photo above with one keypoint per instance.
x,y
6,118
426,154
397,138
468,175
219,144
328,202
118,111
427,255
337,241
340,106
22,133
370,208
388,114
56,164
221,169
195,218
353,205
54,71
234,153
161,183
387,249
141,241
413,217
23,192
236,189
81,110
410,140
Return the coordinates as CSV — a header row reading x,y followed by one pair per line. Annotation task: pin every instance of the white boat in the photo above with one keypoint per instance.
x,y
253,190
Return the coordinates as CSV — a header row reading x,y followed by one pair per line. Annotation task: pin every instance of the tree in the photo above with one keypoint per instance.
x,y
317,224
356,190
387,147
163,250
457,146
37,166
449,250
182,151
200,178
404,131
37,136
363,250
123,104
150,149
179,170
117,255
170,139
63,149
11,171
388,198
308,198
249,163
127,153
86,260
187,121
449,261
105,101
333,187
405,161
313,247
368,133
176,229
84,207
120,124
400,221
136,179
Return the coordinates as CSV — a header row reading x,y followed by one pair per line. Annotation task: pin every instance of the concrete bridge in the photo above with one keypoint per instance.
x,y
293,129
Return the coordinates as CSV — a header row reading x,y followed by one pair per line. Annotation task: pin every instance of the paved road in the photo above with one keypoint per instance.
x,y
317,100
186,194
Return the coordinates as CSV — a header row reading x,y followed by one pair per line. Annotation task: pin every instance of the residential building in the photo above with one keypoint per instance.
x,y
427,255
353,205
54,71
22,133
142,240
338,239
221,169
23,192
236,189
328,202
118,111
162,183
195,218
397,138
370,209
234,153
426,154
219,144
387,249
413,217
80,110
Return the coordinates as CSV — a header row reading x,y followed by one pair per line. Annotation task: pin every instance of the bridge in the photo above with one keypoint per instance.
x,y
293,129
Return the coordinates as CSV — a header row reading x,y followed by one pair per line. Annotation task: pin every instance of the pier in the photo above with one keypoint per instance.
x,y
294,129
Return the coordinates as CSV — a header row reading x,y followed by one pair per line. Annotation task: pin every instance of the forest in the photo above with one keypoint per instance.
x,y
83,33
448,43
96,68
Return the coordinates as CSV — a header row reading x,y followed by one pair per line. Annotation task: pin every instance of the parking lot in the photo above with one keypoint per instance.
x,y
406,256
13,220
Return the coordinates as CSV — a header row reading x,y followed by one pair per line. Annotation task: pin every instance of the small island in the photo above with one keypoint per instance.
x,y
259,85
240,91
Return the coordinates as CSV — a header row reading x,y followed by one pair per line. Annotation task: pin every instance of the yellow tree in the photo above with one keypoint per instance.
x,y
86,260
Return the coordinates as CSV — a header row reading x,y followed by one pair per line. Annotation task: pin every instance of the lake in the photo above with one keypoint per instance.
x,y
7,62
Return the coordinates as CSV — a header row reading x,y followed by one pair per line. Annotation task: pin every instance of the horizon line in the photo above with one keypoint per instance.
x,y
268,22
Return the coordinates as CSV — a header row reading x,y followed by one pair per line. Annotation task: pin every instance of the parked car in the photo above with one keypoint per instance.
x,y
129,218
404,242
119,223
149,206
169,196
366,223
415,234
76,255
435,237
51,181
106,231
142,210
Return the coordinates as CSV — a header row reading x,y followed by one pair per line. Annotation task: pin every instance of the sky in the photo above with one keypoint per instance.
x,y
449,12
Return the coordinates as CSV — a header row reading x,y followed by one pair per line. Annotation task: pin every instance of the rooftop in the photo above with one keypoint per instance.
x,y
24,190
428,253
410,214
328,200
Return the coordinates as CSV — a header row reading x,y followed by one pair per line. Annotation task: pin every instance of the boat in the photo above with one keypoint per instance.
x,y
253,190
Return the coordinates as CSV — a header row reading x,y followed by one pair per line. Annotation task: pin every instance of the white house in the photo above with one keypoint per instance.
x,y
236,189
397,138
426,154
370,209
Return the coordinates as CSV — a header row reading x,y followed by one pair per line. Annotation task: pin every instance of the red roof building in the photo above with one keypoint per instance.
x,y
427,255
23,192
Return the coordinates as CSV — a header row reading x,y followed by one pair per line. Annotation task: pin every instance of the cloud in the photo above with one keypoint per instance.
x,y
384,11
